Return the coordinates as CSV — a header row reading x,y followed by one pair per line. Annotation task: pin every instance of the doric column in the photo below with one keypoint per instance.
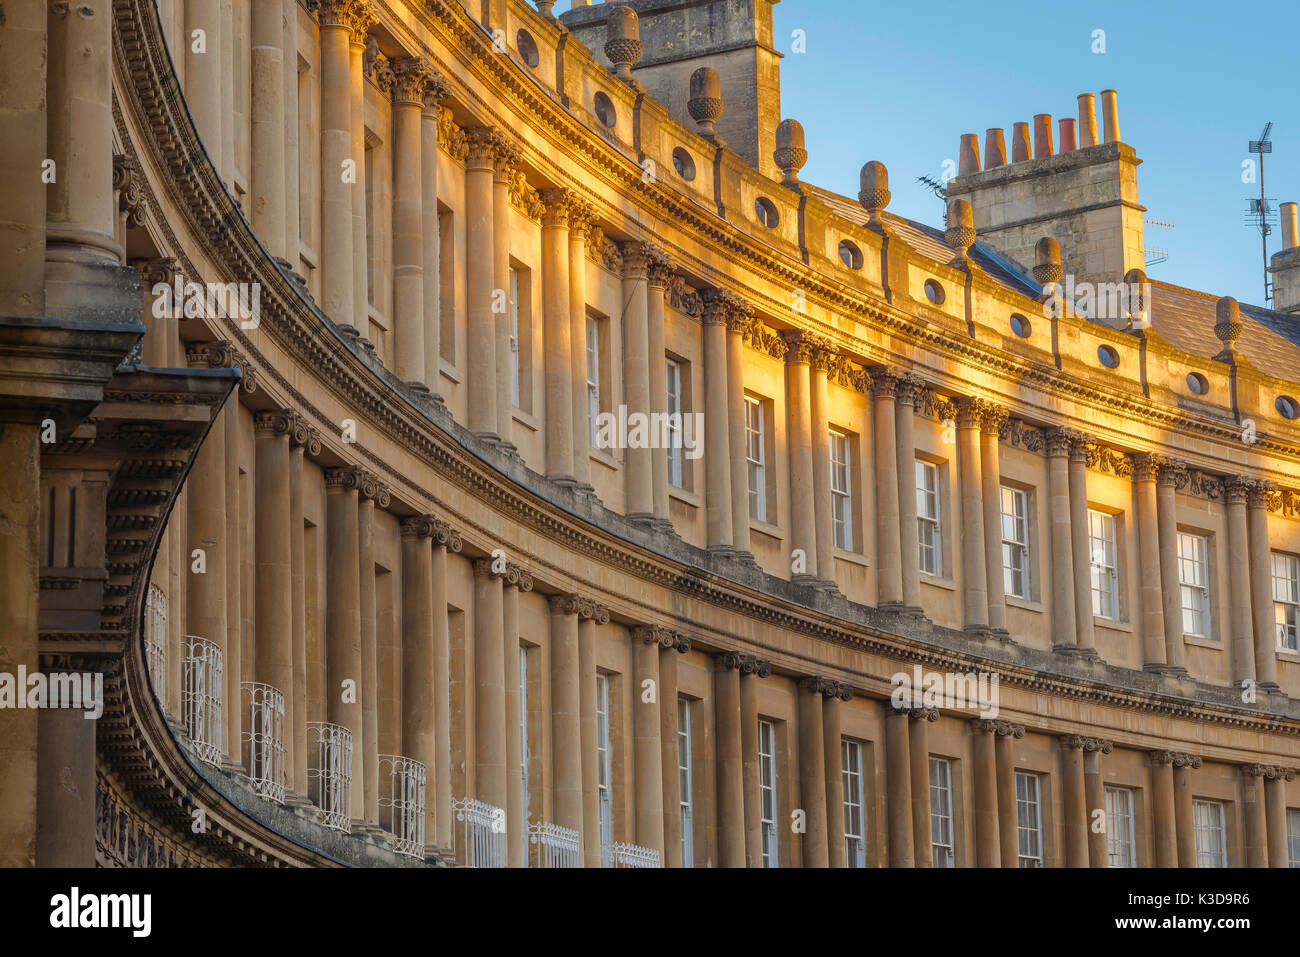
x,y
738,322
824,535
1255,813
410,76
898,778
302,438
489,693
419,678
1064,631
988,843
919,746
373,493
1184,808
337,182
435,91
1145,468
560,437
1275,805
267,201
1007,733
445,539
1094,790
236,669
343,617
1261,586
1075,800
751,669
991,419
273,535
717,449
579,229
1168,474
590,616
833,693
1078,468
1163,814
363,18
647,745
288,23
480,321
802,451
668,742
516,580
889,575
974,575
566,735
507,162
658,273
812,772
1236,489
902,460
730,806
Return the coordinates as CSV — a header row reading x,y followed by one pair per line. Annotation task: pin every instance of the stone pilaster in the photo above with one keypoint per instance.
x,y
1254,813
590,616
1145,471
975,597
566,734
902,460
991,419
480,323
515,581
1184,809
1085,638
1236,490
717,446
343,683
1064,630
337,157
802,450
823,355
1261,586
489,677
751,669
1170,474
834,693
889,574
503,173
267,202
580,222
1094,789
372,494
445,540
668,739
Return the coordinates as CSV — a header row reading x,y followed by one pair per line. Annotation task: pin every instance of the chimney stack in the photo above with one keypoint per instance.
x,y
1043,135
1285,264
1087,121
1067,135
1290,236
1020,148
1110,115
970,154
995,148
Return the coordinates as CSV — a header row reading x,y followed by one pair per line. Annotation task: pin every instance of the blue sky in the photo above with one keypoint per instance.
x,y
1197,80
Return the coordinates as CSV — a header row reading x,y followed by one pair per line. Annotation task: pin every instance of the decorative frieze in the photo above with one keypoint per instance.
x,y
451,137
685,299
524,198
603,251
377,67
1021,435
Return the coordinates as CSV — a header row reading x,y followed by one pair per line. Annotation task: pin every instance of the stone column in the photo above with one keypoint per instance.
x,y
647,745
435,91
1094,790
445,540
419,678
410,76
590,615
1145,467
560,436
812,773
717,446
155,347
1261,587
919,745
751,669
1163,815
991,421
1275,806
1078,468
1168,475
373,494
1064,629
566,735
1008,839
337,179
889,574
1075,800
363,18
974,574
737,325
289,70
637,466
833,693
480,323
236,669
267,202
988,841
730,773
802,451
1236,489
902,459
489,675
302,439
658,275
343,618
517,580
898,777
672,791
579,229
507,161
1255,814
1184,808
824,534
273,536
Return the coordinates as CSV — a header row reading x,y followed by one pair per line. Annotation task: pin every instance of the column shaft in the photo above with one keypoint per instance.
x,y
657,358
812,774
898,777
906,557
566,735
1167,528
1075,803
1275,813
1184,815
833,759
298,561
409,323
919,745
730,773
1094,790
1009,850
1163,814
974,575
717,449
668,743
988,841
1064,630
369,751
274,583
502,174
1255,813
336,152
647,747
991,475
489,697
591,847
557,334
343,619
579,227
1261,591
267,180
1153,612
480,323
1240,582
637,464
752,773
516,821
289,71
736,433
1078,469
357,146
889,574
235,664
431,244
419,678
441,767
823,534
799,441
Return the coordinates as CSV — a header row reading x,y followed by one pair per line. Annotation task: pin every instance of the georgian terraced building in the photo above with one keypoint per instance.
x,y
330,330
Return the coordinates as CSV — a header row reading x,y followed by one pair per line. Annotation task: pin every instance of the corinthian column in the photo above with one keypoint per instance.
x,y
336,151
730,772
1261,592
267,181
647,746
557,335
822,357
410,76
1075,802
343,618
507,161
802,450
566,735
974,576
1162,811
1084,635
419,677
489,675
1235,491
480,324
898,777
658,274
273,536
1145,467
717,448
737,323
579,229
889,575
363,18
988,842
991,420
1064,631
435,91
902,459
1168,475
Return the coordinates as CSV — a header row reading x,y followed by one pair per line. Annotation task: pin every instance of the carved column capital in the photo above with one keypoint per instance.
x,y
346,477
1007,729
302,435
992,416
1072,742
654,635
516,576
221,355
884,383
922,714
155,271
1059,441
445,536
274,422
411,77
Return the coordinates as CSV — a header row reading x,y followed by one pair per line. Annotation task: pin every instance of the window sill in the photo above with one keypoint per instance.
x,y
378,318
1286,654
946,583
308,255
449,370
1200,641
601,457
1027,604
767,528
853,558
526,419
1112,624
685,496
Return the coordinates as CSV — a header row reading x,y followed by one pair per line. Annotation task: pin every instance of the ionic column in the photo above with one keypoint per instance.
x,y
991,421
273,535
812,773
579,229
516,580
658,274
1007,733
566,735
824,535
489,675
647,746
1236,489
1163,814
919,745
988,842
480,321
410,76
556,335
590,615
833,693
672,791
418,640
267,180
902,458
1064,630
730,808
1167,476
1184,808
445,539
889,574
751,669
507,160
1261,586
737,323
1074,792
343,617
336,18
1094,789
435,91
802,450
1255,814
372,493
1078,468
1275,805
898,777
156,346
974,576
717,447
363,18
289,71
1145,467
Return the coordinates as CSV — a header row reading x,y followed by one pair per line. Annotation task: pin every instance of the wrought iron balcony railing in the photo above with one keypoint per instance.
x,y
550,845
263,739
401,803
201,697
329,773
632,855
155,640
480,833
